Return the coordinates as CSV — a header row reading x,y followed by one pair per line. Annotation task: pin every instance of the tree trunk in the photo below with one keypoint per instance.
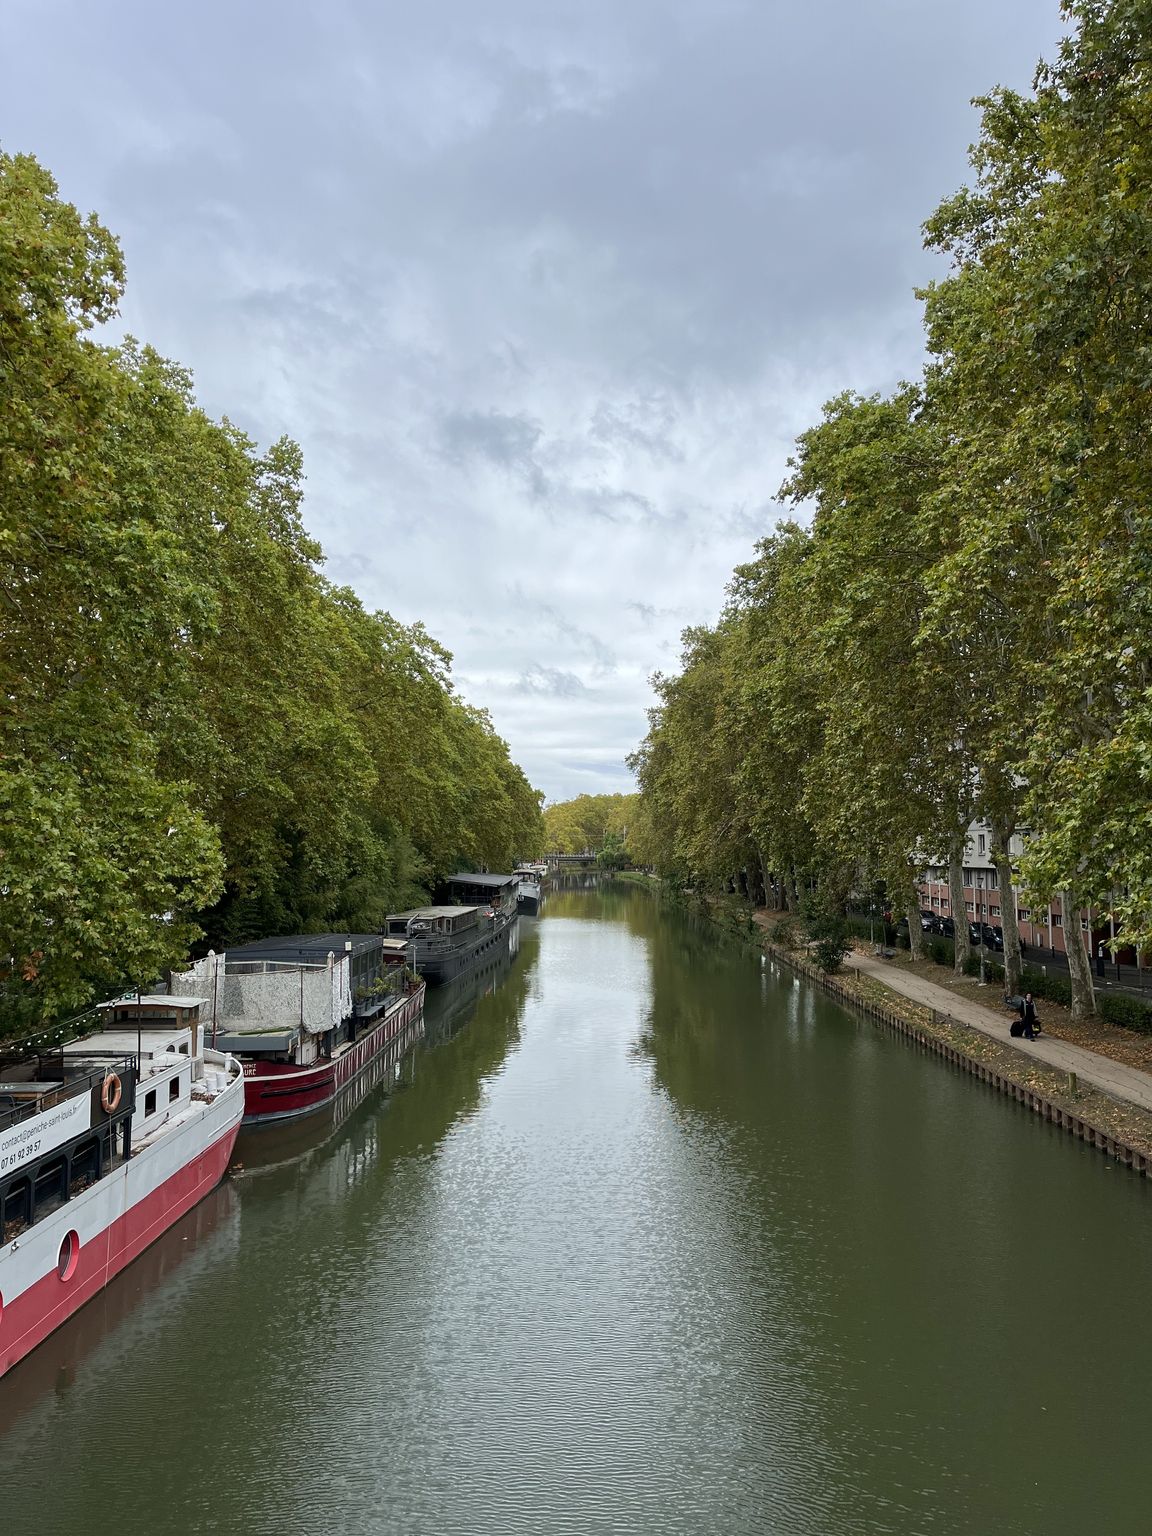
x,y
1079,965
959,915
915,930
1001,841
766,879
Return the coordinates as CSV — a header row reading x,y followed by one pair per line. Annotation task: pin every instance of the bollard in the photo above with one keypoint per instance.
x,y
1073,1085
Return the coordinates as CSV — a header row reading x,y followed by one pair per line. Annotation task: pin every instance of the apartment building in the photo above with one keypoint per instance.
x,y
1041,927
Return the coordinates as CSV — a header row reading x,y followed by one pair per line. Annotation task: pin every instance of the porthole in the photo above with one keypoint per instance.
x,y
69,1255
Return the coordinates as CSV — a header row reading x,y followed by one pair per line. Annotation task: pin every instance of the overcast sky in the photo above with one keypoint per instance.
x,y
544,290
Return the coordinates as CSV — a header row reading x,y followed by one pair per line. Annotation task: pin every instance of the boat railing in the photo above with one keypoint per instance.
x,y
23,1098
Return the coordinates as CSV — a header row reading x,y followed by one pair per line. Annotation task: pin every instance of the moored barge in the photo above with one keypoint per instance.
x,y
104,1142
449,940
307,1014
527,890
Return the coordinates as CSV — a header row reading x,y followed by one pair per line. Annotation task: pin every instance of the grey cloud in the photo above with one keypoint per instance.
x,y
538,679
652,615
648,426
584,641
510,442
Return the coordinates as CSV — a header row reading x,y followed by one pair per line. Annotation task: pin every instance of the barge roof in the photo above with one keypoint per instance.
x,y
290,947
432,912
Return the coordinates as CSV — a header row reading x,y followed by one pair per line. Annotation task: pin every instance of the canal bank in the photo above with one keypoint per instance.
x,y
1100,1101
652,1239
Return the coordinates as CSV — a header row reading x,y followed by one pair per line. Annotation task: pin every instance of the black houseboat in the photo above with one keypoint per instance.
x,y
449,940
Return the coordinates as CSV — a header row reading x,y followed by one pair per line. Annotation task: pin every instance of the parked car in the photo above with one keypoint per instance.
x,y
999,932
945,926
984,933
927,920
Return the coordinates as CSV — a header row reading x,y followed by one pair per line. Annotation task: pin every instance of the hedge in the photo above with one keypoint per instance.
x,y
1126,1012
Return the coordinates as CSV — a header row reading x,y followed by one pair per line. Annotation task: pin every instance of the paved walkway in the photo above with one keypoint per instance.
x,y
1127,1083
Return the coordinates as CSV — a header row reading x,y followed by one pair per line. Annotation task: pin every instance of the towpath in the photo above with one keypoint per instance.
x,y
1122,1082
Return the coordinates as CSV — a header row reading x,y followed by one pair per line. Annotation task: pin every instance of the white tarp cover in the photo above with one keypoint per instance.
x,y
315,998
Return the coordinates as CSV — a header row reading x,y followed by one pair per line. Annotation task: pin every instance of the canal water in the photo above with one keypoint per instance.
x,y
647,1239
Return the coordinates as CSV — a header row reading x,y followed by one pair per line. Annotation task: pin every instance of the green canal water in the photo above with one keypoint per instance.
x,y
647,1240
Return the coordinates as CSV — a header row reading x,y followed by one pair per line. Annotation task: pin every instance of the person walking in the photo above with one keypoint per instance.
x,y
1030,1025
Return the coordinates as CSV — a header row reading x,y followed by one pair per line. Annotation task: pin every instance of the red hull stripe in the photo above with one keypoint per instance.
x,y
29,1318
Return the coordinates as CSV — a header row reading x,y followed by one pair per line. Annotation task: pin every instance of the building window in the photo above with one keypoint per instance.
x,y
982,843
1057,920
150,1103
1024,914
995,911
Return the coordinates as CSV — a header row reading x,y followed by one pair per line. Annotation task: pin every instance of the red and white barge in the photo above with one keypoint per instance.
x,y
307,1014
104,1143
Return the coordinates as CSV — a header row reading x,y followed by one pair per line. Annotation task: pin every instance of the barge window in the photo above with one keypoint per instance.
x,y
85,1165
150,1103
17,1213
51,1186
174,1089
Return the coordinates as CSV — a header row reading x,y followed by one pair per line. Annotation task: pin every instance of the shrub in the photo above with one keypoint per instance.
x,y
783,932
1127,1012
942,951
832,942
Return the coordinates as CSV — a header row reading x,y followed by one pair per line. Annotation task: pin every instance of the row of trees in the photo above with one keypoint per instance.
x,y
594,823
200,736
965,628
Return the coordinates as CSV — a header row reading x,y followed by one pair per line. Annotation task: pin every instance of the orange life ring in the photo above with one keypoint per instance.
x,y
110,1094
